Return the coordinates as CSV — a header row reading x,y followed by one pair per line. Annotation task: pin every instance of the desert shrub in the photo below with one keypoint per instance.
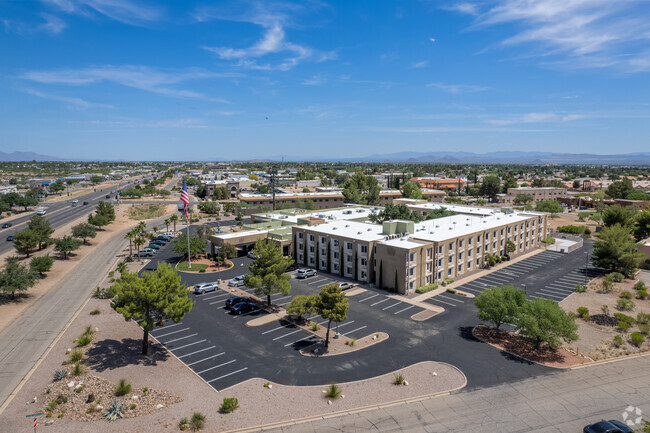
x,y
605,310
229,404
616,277
62,399
145,390
606,286
133,406
427,288
76,356
625,305
639,285
399,379
197,422
643,318
333,391
624,326
52,405
95,312
59,374
447,281
123,388
80,388
351,342
580,288
583,313
84,340
626,295
451,291
637,338
114,411
183,423
642,294
78,369
315,327
644,329
618,341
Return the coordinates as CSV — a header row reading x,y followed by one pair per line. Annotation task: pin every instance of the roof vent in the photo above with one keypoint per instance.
x,y
358,233
347,225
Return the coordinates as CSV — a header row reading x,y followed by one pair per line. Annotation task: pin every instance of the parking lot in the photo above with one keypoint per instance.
x,y
222,350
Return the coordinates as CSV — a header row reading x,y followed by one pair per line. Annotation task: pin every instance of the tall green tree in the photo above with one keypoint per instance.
x,y
617,214
204,231
500,305
491,186
509,182
174,220
227,251
197,245
84,231
66,245
620,189
616,250
41,264
545,321
642,224
98,220
26,240
411,190
42,228
361,189
268,270
16,277
331,304
550,206
151,298
301,305
106,209
523,199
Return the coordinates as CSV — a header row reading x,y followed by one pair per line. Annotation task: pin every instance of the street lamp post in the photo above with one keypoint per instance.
x,y
586,266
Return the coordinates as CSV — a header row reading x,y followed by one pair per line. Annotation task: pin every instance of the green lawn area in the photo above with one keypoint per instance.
x,y
196,267
147,211
594,216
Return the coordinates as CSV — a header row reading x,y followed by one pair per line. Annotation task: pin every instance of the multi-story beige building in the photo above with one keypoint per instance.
x,y
402,255
322,200
538,194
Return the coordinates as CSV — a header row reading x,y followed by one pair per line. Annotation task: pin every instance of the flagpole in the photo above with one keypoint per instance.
x,y
189,257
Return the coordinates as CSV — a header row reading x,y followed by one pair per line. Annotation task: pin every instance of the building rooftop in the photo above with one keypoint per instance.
x,y
310,194
403,242
351,229
344,213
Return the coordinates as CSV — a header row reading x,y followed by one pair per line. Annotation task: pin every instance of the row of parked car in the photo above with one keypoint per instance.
x,y
235,304
155,244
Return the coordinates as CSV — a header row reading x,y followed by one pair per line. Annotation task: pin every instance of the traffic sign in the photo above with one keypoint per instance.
x,y
34,414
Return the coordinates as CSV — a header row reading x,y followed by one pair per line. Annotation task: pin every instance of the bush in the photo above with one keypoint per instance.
x,y
447,281
643,318
583,313
84,340
183,423
123,388
548,241
133,406
59,375
399,379
427,288
626,295
575,230
625,305
197,422
333,391
62,399
642,294
451,291
53,404
78,369
644,329
229,405
616,277
624,326
639,285
618,341
76,356
637,338
80,388
114,411
95,312
315,327
580,288
351,342
606,285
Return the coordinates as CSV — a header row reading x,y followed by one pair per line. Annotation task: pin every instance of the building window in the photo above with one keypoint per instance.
x,y
300,235
451,246
311,238
348,270
336,254
470,240
428,253
412,271
411,285
427,280
478,262
336,267
451,259
469,253
450,271
335,242
364,262
478,250
311,260
469,265
478,238
364,248
348,245
494,246
439,262
323,264
348,258
412,257
460,268
439,274
363,275
440,249
428,267
501,242
322,240
460,243
311,249
300,257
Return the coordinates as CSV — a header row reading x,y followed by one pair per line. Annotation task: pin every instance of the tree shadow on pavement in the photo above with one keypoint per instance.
x,y
111,354
465,333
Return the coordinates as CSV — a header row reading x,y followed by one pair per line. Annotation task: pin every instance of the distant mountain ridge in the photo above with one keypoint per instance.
x,y
28,156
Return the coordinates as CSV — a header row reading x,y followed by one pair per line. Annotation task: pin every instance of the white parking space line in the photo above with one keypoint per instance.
x,y
226,375
369,298
313,317
173,332
496,280
215,296
355,330
181,338
279,327
404,309
391,306
284,297
282,305
341,325
451,299
318,281
326,284
167,326
555,290
197,351
563,286
216,366
442,302
187,345
470,289
550,295
298,341
285,335
250,312
205,359
379,302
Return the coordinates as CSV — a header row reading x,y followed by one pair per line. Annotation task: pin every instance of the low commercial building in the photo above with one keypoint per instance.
x,y
538,194
322,200
440,183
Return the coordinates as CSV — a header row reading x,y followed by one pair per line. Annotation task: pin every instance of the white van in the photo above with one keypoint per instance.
x,y
75,202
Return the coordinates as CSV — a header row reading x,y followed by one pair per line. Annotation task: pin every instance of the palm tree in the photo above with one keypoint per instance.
x,y
122,267
138,243
167,221
141,227
154,229
173,219
131,236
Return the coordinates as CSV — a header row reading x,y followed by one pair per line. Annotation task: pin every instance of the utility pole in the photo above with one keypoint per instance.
x,y
273,173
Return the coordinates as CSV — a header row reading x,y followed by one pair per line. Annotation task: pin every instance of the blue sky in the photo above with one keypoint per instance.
x,y
184,80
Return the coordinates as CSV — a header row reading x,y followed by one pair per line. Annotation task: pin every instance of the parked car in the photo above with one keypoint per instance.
x,y
75,201
146,252
163,239
251,255
243,307
234,300
41,212
237,281
6,225
611,426
204,287
160,242
168,234
11,238
85,203
153,246
305,273
345,286
108,196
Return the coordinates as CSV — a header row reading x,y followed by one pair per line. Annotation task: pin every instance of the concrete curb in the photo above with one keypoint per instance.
x,y
609,361
358,410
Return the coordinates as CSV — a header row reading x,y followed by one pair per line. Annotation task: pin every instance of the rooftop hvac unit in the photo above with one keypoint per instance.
x,y
360,210
347,225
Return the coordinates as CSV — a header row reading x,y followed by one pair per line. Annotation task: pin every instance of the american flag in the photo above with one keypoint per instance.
x,y
185,199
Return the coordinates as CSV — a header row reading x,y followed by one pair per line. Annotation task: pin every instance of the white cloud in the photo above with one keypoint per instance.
x,y
549,117
422,64
77,102
274,18
574,33
186,123
139,77
124,11
316,80
465,8
54,25
442,129
458,88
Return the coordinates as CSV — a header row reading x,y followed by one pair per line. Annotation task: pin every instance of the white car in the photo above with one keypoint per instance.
x,y
237,281
251,255
204,287
345,286
41,212
304,273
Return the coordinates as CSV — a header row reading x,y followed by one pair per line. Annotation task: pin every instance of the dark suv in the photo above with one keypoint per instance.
x,y
611,426
234,300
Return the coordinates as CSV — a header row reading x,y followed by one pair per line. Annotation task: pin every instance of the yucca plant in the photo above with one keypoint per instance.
x,y
78,369
115,410
76,356
333,391
123,388
399,379
60,374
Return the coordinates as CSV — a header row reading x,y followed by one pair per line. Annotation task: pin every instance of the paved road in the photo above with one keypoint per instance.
x,y
562,402
25,341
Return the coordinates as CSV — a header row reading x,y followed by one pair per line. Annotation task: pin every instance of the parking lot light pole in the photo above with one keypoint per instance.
x,y
586,266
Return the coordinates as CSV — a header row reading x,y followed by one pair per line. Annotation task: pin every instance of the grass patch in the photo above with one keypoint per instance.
x,y
196,267
333,391
122,388
76,356
399,379
146,211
